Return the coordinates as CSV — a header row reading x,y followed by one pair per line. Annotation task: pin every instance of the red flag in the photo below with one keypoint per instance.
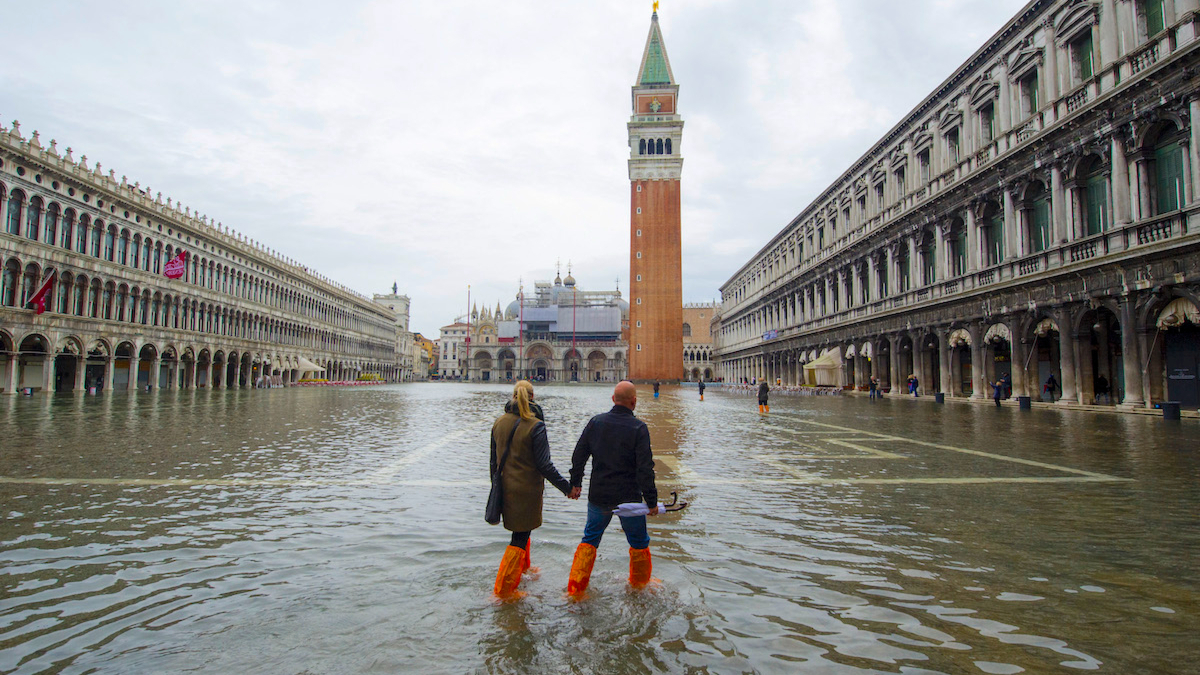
x,y
176,267
39,298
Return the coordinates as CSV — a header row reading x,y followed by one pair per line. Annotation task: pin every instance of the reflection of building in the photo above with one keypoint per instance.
x,y
559,334
655,166
399,305
240,311
1037,215
697,341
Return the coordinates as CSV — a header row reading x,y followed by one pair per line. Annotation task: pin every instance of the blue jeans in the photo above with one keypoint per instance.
x,y
598,520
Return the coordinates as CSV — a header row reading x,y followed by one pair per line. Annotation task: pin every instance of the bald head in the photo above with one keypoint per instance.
x,y
625,394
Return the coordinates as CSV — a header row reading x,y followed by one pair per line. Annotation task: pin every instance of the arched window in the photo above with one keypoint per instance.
x,y
1168,171
81,284
97,235
958,248
33,221
660,147
668,145
687,330
16,202
8,286
123,248
65,284
68,229
122,293
30,283
99,299
110,240
642,146
928,259
81,232
52,224
136,252
145,308
146,254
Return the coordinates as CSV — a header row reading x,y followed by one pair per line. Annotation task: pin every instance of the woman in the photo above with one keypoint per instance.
x,y
763,389
519,444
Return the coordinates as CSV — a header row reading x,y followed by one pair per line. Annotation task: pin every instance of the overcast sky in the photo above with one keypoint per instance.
x,y
441,144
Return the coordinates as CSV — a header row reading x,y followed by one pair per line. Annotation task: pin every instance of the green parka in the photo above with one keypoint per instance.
x,y
526,469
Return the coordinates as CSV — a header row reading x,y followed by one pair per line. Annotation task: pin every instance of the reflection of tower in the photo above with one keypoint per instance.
x,y
655,251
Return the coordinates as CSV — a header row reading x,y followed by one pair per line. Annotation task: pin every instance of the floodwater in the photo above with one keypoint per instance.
x,y
341,531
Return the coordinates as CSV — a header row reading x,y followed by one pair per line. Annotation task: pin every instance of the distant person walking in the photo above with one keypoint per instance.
x,y
874,388
763,390
912,384
521,453
998,392
1102,389
656,389
701,390
618,445
1050,386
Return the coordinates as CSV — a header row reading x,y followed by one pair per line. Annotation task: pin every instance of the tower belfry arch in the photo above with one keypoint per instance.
x,y
655,251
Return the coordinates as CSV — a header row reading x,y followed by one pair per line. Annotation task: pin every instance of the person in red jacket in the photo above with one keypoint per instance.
x,y
618,445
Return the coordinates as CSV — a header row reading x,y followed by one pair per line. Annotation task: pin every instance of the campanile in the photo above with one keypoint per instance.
x,y
655,243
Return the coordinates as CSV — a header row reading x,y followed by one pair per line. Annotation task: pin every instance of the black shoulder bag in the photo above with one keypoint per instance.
x,y
495,502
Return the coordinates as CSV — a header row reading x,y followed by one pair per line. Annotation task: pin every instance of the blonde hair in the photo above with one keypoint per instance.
x,y
523,394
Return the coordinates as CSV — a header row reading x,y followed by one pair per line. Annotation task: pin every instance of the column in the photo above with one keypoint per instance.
x,y
110,364
1051,71
947,377
1194,146
914,267
891,270
1108,40
80,373
190,377
13,385
1058,206
48,367
1122,214
233,381
943,252
873,261
1066,356
176,373
1011,228
875,360
1141,175
979,382
155,372
895,381
133,373
1004,114
974,253
1130,356
1017,367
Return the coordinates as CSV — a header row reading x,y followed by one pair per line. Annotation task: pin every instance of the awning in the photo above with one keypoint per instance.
x,y
824,371
307,366
1044,327
997,332
1177,312
960,337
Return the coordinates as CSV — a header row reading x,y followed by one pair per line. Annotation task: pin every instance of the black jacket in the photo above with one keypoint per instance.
x,y
622,464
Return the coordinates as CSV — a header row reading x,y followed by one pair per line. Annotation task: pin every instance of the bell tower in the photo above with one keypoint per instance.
x,y
655,242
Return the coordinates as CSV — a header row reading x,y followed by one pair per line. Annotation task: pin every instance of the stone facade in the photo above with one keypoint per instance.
x,y
655,239
1035,216
561,333
406,352
697,341
241,314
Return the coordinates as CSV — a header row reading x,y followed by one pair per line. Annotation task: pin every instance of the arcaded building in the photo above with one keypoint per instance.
x,y
559,333
1034,216
655,230
234,313
697,341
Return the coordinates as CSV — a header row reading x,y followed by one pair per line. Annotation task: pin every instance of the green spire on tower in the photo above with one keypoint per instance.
x,y
656,68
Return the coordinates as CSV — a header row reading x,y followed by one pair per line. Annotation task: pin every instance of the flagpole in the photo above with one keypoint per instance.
x,y
521,336
468,333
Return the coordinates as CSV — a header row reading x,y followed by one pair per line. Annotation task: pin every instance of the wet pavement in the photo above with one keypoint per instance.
x,y
340,531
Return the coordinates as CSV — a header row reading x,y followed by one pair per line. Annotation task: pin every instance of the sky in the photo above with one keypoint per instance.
x,y
441,145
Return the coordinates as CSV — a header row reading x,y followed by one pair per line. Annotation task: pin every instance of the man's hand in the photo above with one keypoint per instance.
x,y
653,512
574,493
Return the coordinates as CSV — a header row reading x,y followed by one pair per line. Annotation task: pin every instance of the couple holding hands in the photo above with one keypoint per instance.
x,y
622,471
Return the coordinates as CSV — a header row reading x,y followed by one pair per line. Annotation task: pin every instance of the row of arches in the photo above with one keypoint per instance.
x,y
48,361
1098,353
36,219
541,363
654,146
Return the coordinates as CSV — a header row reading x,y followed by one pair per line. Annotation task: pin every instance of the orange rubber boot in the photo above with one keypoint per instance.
x,y
508,577
527,563
581,569
767,408
639,567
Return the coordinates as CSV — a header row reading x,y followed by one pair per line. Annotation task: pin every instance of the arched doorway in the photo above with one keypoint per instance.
x,y
1179,322
32,361
571,365
147,358
961,367
998,356
483,366
7,363
1046,361
122,364
95,373
1101,364
68,366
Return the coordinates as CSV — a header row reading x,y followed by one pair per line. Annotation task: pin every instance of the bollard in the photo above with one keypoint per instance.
x,y
939,397
1025,403
1170,410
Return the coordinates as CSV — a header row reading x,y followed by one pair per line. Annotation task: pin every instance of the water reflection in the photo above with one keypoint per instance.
x,y
327,530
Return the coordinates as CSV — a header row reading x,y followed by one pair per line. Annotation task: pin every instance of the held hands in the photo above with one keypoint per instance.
x,y
574,493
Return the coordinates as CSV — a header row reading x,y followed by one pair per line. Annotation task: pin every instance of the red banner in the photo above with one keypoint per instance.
x,y
39,299
176,267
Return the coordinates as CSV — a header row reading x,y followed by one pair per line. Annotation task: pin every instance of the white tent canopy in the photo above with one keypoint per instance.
x,y
825,371
306,366
1177,312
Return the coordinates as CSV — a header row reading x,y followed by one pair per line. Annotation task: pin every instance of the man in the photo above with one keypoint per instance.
x,y
622,471
702,389
656,389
